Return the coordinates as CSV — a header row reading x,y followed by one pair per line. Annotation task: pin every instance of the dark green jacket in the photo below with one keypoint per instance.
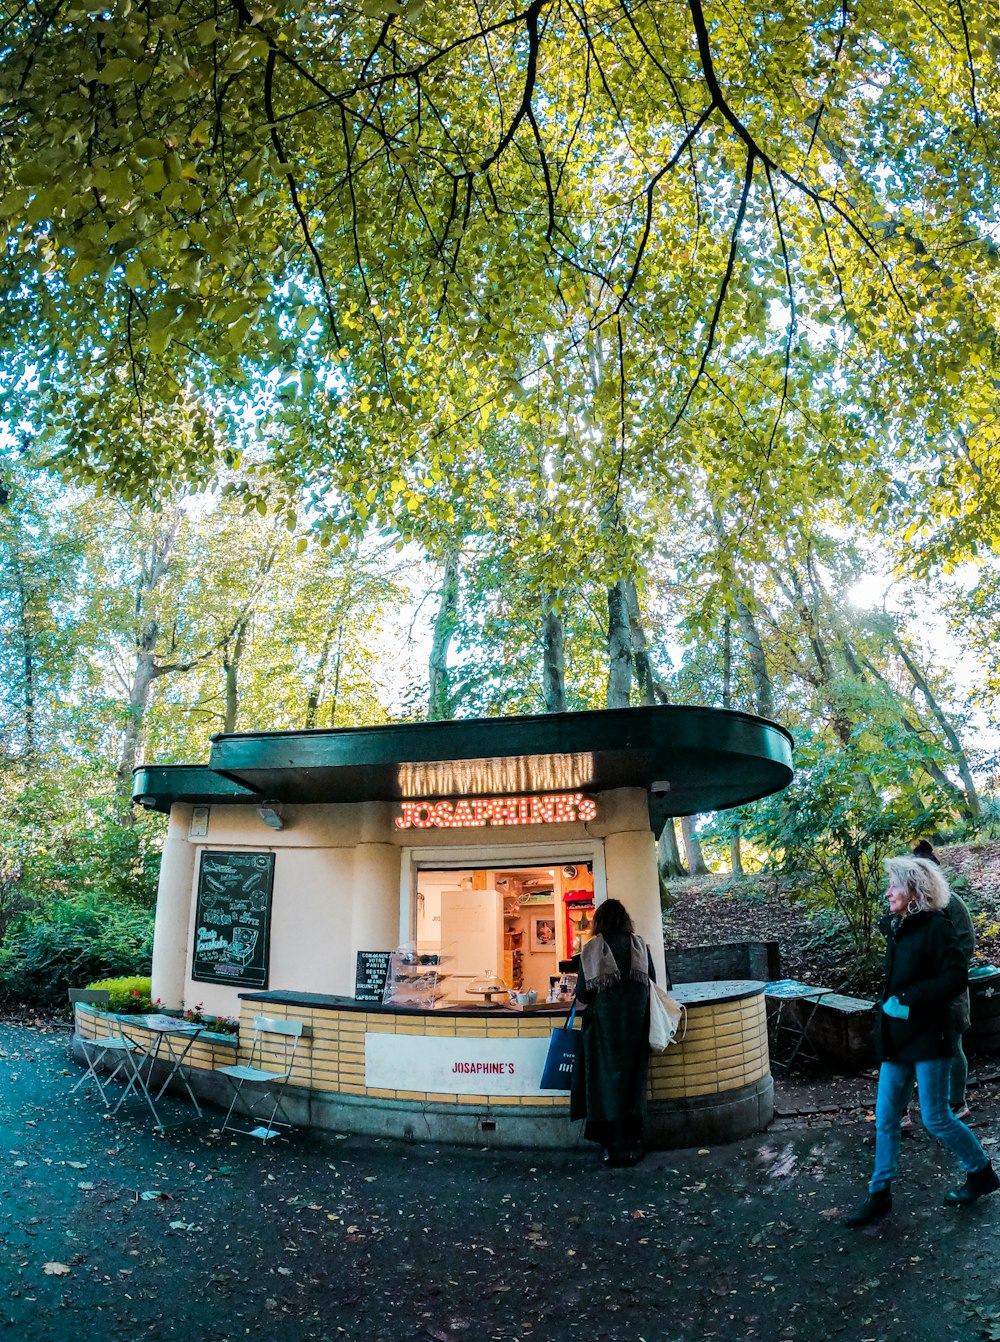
x,y
961,920
609,1080
926,970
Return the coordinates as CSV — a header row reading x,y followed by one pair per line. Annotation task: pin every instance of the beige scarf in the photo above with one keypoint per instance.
x,y
600,969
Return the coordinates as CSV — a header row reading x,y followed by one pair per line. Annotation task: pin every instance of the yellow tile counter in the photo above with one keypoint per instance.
x,y
469,1075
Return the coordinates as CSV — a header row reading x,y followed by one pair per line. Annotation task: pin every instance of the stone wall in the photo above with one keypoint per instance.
x,y
726,960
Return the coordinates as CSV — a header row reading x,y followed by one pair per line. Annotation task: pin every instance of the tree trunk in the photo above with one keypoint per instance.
x,y
824,680
619,649
692,847
727,660
337,663
154,570
736,850
231,671
762,687
651,689
763,690
238,640
27,640
144,674
668,856
439,704
974,807
319,681
553,655
930,767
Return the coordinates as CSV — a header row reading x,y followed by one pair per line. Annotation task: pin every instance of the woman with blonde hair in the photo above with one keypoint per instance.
x,y
925,970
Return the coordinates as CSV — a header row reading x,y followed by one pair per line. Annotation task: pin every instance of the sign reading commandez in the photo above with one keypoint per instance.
x,y
233,919
369,981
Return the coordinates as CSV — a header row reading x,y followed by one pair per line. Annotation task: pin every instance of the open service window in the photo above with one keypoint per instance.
x,y
501,914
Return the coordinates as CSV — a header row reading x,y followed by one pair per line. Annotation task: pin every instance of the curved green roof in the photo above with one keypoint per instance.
x,y
688,759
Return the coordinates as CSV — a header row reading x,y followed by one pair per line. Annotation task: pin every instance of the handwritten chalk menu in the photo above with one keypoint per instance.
x,y
369,981
233,919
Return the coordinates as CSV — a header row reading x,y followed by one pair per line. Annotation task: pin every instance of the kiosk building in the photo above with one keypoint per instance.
x,y
295,862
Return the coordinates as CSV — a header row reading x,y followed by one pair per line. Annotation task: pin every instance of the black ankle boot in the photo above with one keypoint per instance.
x,y
875,1205
977,1185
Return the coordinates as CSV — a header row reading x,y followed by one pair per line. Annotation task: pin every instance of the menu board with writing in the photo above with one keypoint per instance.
x,y
233,919
369,980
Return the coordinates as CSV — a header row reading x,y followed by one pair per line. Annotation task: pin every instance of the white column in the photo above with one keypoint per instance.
x,y
630,857
173,911
375,903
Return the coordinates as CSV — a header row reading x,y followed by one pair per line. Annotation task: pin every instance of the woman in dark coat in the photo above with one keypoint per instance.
x,y
609,1079
925,970
961,921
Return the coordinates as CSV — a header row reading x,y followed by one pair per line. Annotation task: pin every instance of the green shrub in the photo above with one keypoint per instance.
x,y
70,842
830,947
77,941
126,994
842,816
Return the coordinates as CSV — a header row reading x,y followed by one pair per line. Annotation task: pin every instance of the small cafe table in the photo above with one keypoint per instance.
x,y
167,1040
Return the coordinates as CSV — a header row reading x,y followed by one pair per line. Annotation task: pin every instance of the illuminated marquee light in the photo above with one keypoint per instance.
x,y
564,808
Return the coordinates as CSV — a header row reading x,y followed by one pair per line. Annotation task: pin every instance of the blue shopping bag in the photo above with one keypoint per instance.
x,y
565,1043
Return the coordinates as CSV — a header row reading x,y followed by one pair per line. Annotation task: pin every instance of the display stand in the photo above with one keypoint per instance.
x,y
413,980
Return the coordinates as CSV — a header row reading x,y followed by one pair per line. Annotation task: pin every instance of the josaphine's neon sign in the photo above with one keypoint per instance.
x,y
561,808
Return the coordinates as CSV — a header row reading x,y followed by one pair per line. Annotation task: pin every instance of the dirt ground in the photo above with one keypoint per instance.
x,y
111,1232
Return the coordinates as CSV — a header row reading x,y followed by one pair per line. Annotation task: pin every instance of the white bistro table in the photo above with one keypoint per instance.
x,y
795,1029
163,1039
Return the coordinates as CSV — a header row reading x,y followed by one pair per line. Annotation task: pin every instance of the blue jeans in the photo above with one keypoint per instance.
x,y
895,1081
959,1076
957,1081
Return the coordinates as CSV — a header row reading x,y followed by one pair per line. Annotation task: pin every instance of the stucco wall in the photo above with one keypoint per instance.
x,y
337,879
311,915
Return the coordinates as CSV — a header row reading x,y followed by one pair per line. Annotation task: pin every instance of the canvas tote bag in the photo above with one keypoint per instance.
x,y
666,1016
564,1045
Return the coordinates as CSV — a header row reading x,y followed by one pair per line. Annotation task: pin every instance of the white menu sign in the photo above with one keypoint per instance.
x,y
454,1066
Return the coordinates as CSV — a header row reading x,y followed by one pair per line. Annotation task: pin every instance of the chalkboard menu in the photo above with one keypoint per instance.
x,y
369,981
233,919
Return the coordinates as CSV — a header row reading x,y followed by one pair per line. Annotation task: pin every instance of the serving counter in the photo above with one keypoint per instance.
x,y
468,1075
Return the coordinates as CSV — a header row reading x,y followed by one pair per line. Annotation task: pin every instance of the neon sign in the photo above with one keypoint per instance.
x,y
561,808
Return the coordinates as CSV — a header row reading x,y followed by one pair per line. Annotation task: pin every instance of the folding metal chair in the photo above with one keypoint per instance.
x,y
274,1042
109,1043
